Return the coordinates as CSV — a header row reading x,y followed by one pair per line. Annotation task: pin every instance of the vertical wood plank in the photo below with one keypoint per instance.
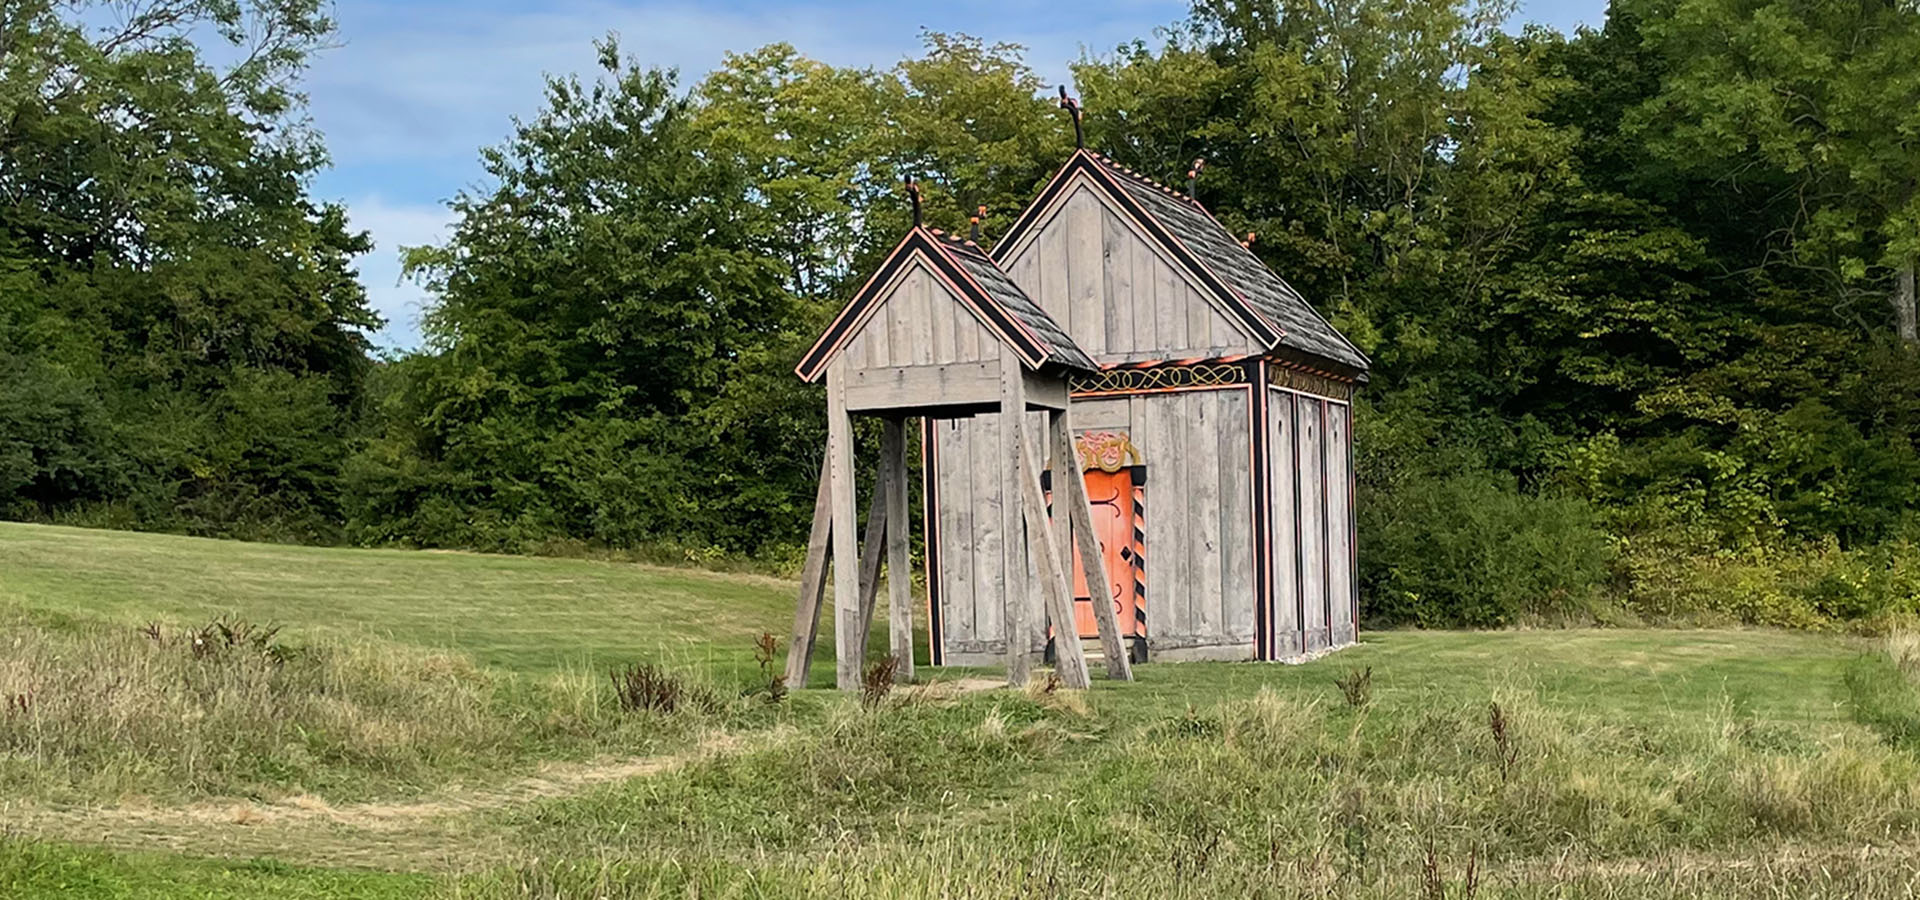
x,y
1285,560
929,304
900,316
813,584
1013,404
1074,504
893,452
1034,424
1353,526
1312,524
967,335
1339,524
846,573
856,350
1065,468
1023,271
1203,513
1069,661
1237,595
955,530
1048,249
1200,317
989,528
898,311
1170,302
1116,248
1086,273
1140,282
946,315
877,338
1228,337
916,327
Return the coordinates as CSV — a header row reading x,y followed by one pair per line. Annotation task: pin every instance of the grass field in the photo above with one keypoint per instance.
x,y
439,725
512,612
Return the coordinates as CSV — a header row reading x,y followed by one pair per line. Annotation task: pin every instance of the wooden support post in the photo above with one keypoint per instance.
x,y
1068,660
1072,502
893,464
846,572
871,546
813,583
1057,510
1013,411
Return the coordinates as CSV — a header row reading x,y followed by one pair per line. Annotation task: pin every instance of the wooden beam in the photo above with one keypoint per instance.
x,y
1062,524
1013,407
813,584
1068,660
871,545
1046,392
876,389
846,574
893,463
1093,563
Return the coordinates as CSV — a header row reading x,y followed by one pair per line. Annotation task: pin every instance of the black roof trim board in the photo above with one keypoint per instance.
x,y
993,297
1270,308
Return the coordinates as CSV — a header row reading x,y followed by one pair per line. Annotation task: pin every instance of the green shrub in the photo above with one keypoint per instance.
x,y
1470,550
1779,583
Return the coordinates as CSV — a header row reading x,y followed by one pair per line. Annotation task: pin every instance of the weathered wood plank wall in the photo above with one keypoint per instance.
x,y
921,324
1197,448
1283,639
1309,455
1119,297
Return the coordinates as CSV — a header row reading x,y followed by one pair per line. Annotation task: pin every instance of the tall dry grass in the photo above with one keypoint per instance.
x,y
97,712
1279,795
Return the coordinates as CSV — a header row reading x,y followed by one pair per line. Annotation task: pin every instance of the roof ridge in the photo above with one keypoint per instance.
x,y
1115,165
950,241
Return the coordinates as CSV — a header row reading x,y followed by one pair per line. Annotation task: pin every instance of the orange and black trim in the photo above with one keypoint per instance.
x,y
1260,409
1136,556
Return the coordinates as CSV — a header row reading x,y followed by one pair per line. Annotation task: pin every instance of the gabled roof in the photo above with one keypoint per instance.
x,y
972,276
1270,308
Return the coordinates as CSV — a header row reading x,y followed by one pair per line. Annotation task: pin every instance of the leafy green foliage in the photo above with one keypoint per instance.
x,y
181,332
595,306
1467,550
1636,297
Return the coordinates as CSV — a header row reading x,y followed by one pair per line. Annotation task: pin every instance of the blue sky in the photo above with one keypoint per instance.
x,y
416,88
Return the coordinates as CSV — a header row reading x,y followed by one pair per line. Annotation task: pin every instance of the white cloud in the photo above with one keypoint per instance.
x,y
437,82
415,90
396,225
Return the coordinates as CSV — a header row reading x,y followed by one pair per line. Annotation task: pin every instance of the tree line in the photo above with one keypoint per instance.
x,y
1640,298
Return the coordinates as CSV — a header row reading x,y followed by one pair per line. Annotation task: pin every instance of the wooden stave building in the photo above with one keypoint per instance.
x,y
1231,391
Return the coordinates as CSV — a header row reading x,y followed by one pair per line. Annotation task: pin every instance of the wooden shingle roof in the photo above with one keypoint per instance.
x,y
979,282
994,281
1269,307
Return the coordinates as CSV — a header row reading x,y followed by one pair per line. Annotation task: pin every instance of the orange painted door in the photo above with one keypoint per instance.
x,y
1110,495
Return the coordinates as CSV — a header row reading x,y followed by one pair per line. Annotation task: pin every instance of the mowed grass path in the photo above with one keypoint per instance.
x,y
521,613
